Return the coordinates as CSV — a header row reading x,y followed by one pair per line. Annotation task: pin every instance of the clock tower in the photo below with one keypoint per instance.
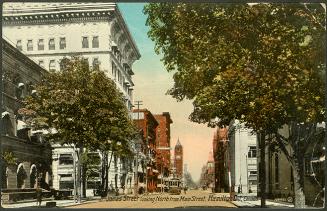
x,y
179,159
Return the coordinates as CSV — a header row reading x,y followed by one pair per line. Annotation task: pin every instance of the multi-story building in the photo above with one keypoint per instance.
x,y
27,157
146,122
242,149
49,32
220,154
163,158
178,155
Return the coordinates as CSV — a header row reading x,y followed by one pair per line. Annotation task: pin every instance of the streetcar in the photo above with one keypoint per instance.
x,y
174,186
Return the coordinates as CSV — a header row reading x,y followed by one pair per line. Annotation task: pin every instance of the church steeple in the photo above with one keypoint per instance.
x,y
178,143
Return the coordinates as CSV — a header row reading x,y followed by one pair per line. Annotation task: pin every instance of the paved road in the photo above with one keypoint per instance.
x,y
193,198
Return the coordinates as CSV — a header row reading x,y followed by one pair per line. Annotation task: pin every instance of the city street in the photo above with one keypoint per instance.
x,y
193,198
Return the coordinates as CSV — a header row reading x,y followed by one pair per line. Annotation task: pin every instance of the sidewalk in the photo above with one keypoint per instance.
x,y
257,203
59,203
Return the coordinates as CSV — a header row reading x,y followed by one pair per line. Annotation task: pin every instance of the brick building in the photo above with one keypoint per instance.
x,y
163,141
147,124
220,159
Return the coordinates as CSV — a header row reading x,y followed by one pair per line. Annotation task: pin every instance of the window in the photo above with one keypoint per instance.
x,y
254,173
40,45
66,159
19,45
114,70
252,152
52,44
95,63
41,63
85,42
52,65
29,45
62,43
95,42
86,60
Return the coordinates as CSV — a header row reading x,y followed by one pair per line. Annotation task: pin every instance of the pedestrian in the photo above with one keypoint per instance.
x,y
185,189
38,196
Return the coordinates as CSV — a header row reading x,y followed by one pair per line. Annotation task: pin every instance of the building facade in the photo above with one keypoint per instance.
x,y
242,149
163,156
221,161
178,156
49,32
279,172
27,156
147,125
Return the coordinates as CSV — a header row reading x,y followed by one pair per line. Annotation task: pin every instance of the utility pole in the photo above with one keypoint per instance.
x,y
138,103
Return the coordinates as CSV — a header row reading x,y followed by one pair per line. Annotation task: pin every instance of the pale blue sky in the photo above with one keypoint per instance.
x,y
151,83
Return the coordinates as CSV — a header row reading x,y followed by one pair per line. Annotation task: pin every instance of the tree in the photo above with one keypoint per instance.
x,y
82,106
262,64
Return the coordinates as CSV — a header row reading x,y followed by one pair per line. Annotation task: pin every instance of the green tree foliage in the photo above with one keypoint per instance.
x,y
83,106
9,158
262,64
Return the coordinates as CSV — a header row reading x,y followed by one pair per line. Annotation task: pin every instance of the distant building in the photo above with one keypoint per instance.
x,y
242,149
146,122
178,155
211,170
28,156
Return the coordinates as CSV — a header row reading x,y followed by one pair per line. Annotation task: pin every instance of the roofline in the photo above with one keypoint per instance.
x,y
167,115
130,37
24,59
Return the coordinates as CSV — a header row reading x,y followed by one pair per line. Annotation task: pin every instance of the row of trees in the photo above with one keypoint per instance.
x,y
263,64
81,106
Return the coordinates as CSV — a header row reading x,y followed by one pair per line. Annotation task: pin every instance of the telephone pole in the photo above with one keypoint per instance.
x,y
138,103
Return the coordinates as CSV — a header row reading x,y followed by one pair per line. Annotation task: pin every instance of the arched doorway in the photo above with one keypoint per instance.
x,y
21,176
33,176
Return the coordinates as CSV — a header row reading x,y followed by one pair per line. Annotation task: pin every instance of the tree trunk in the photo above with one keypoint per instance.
x,y
103,171
107,170
298,176
79,175
262,168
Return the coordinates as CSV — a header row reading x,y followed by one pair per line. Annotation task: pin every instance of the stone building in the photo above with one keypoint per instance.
x,y
163,158
49,32
27,157
279,172
242,149
147,124
178,155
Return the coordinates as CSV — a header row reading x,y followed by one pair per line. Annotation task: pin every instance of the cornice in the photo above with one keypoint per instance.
x,y
59,17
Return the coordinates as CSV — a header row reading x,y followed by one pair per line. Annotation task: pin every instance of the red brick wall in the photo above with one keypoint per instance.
x,y
163,140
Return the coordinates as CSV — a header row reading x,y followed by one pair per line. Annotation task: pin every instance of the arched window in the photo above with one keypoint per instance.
x,y
21,176
33,176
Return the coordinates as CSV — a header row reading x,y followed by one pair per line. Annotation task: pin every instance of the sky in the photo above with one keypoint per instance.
x,y
152,82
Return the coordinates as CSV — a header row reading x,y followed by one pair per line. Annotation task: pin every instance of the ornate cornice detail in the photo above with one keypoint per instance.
x,y
56,18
